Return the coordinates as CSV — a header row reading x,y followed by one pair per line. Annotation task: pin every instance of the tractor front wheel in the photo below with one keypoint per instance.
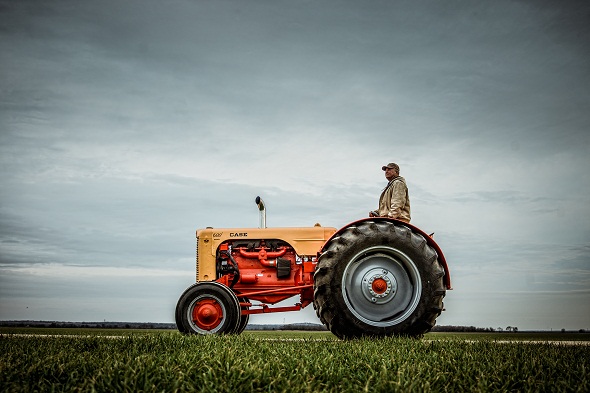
x,y
244,319
208,308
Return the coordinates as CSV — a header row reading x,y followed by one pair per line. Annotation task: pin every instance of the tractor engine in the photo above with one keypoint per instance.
x,y
267,264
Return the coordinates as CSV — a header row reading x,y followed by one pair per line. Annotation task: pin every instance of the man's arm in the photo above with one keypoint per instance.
x,y
398,199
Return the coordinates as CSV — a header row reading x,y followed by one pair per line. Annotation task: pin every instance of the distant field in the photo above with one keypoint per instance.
x,y
82,331
275,361
523,336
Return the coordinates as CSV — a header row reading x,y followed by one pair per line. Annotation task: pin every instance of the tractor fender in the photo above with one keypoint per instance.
x,y
429,240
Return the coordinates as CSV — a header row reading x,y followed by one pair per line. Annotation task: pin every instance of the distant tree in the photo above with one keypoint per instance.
x,y
515,329
500,328
508,328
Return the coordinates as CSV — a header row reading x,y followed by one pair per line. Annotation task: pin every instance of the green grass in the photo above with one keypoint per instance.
x,y
324,335
285,362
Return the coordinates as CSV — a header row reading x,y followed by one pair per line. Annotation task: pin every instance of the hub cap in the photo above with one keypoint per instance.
x,y
381,286
206,314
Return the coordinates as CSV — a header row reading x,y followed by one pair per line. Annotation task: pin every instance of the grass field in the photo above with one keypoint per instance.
x,y
120,360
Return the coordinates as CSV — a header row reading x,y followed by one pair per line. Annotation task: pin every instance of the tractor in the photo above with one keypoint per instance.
x,y
374,277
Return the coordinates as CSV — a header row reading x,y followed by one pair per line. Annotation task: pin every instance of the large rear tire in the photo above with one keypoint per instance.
x,y
378,279
208,308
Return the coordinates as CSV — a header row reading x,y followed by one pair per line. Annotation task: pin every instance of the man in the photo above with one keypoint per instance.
x,y
394,201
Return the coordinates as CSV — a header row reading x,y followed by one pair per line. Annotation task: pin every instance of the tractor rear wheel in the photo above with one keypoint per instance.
x,y
378,279
208,308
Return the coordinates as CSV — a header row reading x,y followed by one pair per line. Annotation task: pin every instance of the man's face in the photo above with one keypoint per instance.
x,y
390,173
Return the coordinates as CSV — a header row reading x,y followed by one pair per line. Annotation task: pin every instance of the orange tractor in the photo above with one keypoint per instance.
x,y
373,277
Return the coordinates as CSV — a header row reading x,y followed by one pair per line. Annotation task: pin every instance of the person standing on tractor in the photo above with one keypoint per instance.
x,y
394,201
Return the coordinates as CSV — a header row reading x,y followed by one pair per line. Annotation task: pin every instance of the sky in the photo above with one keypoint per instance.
x,y
126,126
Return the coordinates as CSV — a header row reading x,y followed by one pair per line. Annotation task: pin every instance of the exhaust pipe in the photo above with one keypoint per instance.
x,y
260,204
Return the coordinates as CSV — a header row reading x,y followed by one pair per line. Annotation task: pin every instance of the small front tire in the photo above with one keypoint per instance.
x,y
208,308
244,319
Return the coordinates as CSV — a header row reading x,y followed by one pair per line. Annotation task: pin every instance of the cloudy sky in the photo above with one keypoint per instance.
x,y
125,126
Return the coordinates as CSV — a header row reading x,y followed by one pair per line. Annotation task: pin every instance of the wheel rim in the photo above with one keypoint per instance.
x,y
206,314
381,286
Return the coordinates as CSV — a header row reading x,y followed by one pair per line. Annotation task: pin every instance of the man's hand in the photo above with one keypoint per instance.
x,y
373,214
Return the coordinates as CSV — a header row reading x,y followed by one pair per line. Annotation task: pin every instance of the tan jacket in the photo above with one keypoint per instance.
x,y
394,201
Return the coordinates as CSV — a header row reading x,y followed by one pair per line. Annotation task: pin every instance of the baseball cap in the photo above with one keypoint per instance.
x,y
391,165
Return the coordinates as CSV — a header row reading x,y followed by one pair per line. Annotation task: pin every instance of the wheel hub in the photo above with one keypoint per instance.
x,y
379,285
207,314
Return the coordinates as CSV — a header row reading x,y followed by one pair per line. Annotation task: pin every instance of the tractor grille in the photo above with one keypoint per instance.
x,y
197,260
